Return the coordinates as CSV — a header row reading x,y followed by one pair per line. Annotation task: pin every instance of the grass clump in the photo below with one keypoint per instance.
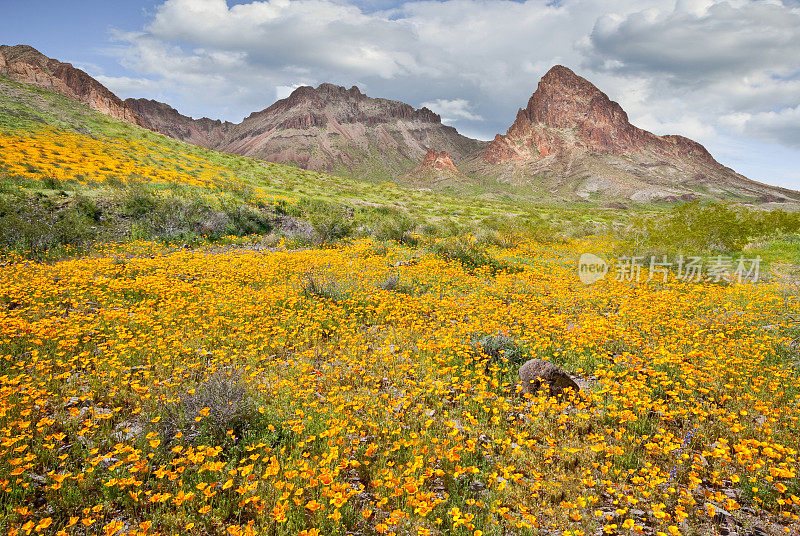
x,y
323,286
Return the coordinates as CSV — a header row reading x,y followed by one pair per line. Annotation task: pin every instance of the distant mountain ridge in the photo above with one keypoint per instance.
x,y
164,118
324,128
570,143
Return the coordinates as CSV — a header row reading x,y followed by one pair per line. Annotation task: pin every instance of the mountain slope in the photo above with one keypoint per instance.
x,y
25,64
574,142
325,128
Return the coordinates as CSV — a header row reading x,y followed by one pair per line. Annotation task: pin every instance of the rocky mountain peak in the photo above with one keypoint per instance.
x,y
325,93
566,100
308,107
567,113
22,53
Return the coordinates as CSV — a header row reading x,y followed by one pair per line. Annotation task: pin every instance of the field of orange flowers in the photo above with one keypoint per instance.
x,y
64,155
342,391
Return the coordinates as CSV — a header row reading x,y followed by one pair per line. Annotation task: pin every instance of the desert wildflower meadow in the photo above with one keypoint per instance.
x,y
198,343
372,389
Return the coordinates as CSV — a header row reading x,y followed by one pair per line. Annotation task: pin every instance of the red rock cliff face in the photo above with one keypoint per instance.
x,y
567,113
23,63
438,160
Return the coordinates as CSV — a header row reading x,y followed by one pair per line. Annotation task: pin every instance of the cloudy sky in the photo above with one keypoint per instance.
x,y
726,73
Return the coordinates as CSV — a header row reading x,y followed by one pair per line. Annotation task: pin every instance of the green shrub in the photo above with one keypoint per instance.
x,y
506,231
51,183
696,227
468,252
88,207
501,348
37,225
244,220
330,222
392,224
136,201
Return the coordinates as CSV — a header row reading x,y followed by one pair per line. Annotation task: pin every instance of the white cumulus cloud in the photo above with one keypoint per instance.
x,y
452,109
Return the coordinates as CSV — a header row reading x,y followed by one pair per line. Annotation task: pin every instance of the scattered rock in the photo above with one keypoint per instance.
x,y
477,486
721,515
105,463
536,372
76,402
127,432
37,480
412,262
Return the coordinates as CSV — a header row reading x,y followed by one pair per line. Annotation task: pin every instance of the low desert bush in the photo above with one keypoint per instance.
x,y
390,224
42,226
217,411
330,222
501,348
38,225
391,282
468,252
506,231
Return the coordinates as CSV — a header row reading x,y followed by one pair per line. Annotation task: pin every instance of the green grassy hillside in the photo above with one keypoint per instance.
x,y
57,154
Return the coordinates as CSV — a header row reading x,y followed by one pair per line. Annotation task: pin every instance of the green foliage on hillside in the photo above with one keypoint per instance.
x,y
712,227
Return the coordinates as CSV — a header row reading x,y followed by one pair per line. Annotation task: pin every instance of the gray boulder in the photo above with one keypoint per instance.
x,y
537,372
